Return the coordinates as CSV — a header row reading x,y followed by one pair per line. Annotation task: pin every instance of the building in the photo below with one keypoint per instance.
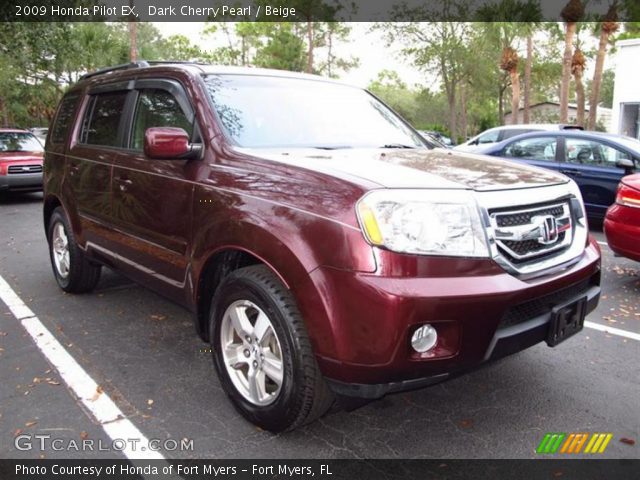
x,y
626,91
549,112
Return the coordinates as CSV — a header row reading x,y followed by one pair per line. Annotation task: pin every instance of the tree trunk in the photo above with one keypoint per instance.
x,y
515,95
579,97
501,105
527,80
463,112
310,48
597,80
451,98
566,71
133,42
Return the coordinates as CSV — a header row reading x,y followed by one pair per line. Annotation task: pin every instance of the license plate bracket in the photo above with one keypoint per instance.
x,y
566,321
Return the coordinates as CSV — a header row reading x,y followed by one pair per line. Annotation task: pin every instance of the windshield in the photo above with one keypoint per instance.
x,y
275,112
19,142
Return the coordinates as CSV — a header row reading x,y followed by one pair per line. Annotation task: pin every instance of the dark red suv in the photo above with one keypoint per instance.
x,y
323,247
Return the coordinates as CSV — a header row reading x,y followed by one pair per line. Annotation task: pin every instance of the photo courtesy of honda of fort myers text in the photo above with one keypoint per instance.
x,y
319,239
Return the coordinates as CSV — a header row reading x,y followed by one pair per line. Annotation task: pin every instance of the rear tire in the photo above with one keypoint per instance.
x,y
255,322
73,272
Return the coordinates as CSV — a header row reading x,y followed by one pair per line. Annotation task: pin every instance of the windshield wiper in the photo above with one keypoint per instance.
x,y
397,145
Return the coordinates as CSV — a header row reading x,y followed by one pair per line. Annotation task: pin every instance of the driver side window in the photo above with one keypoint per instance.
x,y
156,108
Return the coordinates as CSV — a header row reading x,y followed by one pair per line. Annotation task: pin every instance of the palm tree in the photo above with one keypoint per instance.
x,y
527,79
571,13
509,63
578,62
608,27
133,37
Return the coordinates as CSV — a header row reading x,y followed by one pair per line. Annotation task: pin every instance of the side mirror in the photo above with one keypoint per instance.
x,y
626,164
166,143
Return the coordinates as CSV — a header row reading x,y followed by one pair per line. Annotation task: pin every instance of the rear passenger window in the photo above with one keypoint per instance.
x,y
64,118
537,148
103,119
157,108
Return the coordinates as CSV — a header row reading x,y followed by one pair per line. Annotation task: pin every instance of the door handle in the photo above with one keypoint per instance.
x,y
571,171
74,168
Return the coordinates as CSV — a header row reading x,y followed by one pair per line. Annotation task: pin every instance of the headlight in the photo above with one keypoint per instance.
x,y
427,222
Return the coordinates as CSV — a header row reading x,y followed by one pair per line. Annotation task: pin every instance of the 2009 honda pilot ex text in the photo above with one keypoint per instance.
x,y
324,249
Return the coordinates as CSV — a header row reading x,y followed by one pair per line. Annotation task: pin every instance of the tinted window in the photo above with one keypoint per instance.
x,y
156,108
64,118
289,112
512,133
103,119
538,148
590,152
19,142
489,137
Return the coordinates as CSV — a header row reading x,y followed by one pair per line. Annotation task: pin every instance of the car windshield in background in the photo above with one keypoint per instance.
x,y
275,112
19,142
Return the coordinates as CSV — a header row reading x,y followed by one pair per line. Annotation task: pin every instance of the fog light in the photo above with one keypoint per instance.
x,y
424,338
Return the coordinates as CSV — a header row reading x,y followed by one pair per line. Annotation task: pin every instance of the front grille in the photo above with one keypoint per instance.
x,y
529,246
529,234
16,169
542,305
522,218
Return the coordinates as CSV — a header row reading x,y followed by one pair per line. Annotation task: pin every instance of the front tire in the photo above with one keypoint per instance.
x,y
73,272
262,353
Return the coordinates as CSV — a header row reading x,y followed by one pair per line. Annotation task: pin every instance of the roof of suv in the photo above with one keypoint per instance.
x,y
195,67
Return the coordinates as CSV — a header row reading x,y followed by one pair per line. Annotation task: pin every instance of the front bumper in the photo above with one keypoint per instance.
x,y
479,317
28,182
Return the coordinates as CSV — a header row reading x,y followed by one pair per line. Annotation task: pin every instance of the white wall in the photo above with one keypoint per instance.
x,y
627,82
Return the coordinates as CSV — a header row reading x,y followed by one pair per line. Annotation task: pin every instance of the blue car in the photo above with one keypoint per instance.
x,y
596,161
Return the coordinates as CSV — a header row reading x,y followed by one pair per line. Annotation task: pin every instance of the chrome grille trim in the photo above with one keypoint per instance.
x,y
510,237
567,194
23,169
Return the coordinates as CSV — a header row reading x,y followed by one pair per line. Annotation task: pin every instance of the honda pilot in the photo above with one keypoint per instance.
x,y
324,250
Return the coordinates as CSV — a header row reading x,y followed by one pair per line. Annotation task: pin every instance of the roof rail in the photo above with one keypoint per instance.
x,y
177,62
124,66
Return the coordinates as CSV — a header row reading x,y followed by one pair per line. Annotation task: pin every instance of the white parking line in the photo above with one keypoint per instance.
x,y
604,244
613,331
133,443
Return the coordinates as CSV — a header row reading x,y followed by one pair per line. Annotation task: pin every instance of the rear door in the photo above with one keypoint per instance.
x,y
592,164
152,199
90,158
540,151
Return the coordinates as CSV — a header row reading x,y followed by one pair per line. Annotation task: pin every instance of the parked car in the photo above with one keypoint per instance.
x,y
596,161
499,134
440,137
324,250
622,222
40,133
21,156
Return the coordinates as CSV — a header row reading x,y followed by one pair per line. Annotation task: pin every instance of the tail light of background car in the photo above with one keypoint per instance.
x,y
628,196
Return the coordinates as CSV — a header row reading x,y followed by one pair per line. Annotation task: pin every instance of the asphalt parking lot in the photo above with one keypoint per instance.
x,y
144,354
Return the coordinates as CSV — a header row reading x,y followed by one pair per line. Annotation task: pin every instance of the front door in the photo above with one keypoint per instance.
x,y
153,199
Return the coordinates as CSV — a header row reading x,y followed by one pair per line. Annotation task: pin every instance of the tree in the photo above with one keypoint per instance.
x,y
607,28
571,14
578,63
439,48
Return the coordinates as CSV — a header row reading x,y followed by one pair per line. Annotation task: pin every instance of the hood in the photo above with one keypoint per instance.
x,y
21,157
415,168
